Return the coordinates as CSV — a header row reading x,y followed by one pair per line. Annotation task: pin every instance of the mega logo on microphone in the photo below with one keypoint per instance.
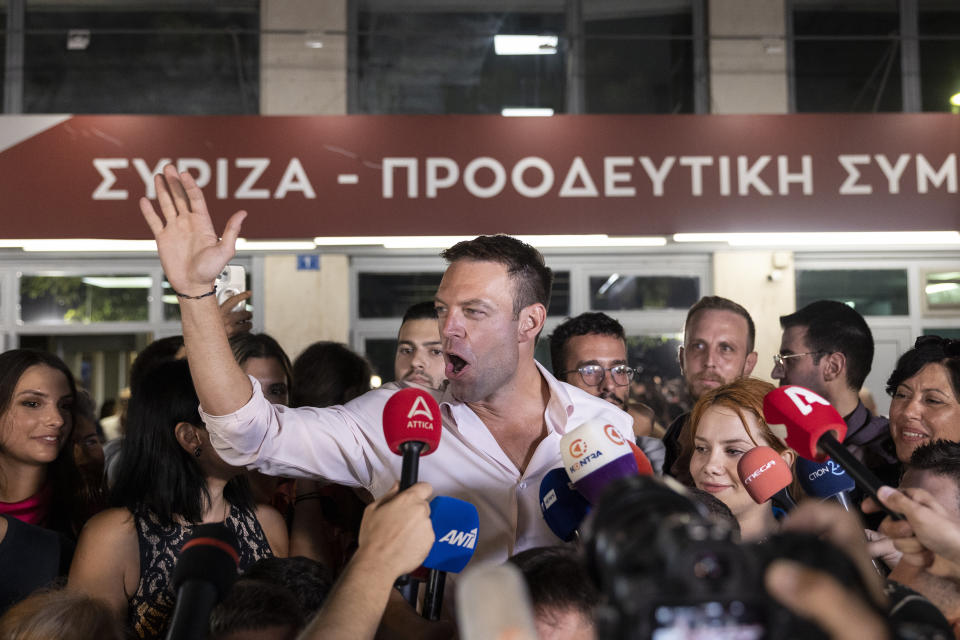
x,y
763,473
412,415
799,417
455,528
594,454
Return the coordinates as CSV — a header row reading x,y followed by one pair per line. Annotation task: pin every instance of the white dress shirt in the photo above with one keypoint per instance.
x,y
345,444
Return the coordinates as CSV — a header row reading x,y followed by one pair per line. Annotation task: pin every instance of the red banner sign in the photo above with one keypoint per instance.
x,y
300,177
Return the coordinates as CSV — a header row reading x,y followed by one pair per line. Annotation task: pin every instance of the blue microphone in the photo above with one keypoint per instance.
x,y
455,527
826,480
563,507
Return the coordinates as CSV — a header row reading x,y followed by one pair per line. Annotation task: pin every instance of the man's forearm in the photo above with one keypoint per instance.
x,y
355,605
220,383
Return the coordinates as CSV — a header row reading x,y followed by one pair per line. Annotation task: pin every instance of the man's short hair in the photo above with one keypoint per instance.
x,y
557,580
591,322
717,303
525,265
941,457
253,605
831,327
420,311
328,373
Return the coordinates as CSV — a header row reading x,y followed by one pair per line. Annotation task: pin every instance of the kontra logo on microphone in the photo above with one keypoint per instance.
x,y
614,435
578,447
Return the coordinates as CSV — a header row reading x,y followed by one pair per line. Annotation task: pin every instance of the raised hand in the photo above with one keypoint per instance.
x,y
190,251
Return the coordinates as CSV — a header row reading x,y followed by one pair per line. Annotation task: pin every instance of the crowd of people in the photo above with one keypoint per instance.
x,y
220,427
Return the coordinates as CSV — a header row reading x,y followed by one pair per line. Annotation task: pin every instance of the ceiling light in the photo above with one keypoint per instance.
x,y
854,238
942,287
955,99
274,245
540,241
510,45
526,112
119,282
82,244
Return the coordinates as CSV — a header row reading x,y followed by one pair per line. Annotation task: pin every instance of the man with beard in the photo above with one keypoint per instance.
x,y
590,352
718,338
419,356
503,414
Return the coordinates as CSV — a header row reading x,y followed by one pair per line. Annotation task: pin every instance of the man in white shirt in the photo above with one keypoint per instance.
x,y
503,414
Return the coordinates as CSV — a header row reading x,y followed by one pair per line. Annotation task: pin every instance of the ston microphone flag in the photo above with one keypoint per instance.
x,y
563,507
763,473
799,417
594,455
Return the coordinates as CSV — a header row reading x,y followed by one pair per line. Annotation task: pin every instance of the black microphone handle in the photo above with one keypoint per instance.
x,y
433,596
411,463
191,614
864,478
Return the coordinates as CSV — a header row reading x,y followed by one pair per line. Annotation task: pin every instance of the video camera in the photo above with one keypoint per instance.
x,y
667,571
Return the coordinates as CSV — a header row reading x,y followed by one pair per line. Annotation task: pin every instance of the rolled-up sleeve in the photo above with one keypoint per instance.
x,y
343,444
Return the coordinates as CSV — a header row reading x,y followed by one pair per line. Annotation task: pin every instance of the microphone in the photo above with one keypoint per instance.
x,y
763,473
205,571
594,455
644,467
493,603
563,508
809,423
412,427
826,480
455,526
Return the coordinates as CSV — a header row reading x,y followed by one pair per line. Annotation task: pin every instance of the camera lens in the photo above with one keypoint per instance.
x,y
709,567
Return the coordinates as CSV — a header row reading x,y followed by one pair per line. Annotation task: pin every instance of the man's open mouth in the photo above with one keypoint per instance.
x,y
456,362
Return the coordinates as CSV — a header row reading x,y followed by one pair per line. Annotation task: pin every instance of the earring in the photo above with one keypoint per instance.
x,y
197,452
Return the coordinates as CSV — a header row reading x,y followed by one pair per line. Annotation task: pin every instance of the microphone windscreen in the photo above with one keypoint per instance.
x,y
563,508
493,603
209,555
412,415
763,473
800,417
823,479
594,455
455,527
644,468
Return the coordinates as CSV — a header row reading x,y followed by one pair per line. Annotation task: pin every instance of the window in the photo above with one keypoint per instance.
x,y
872,292
939,38
622,292
941,291
846,55
191,58
56,299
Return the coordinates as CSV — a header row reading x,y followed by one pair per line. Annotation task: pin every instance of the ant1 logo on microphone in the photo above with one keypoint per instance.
x,y
759,472
613,435
466,539
830,467
420,408
578,448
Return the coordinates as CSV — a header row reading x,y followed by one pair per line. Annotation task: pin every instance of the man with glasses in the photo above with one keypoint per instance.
x,y
827,347
590,352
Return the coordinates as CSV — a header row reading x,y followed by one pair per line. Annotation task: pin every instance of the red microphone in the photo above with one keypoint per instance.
x,y
412,427
763,473
644,468
810,423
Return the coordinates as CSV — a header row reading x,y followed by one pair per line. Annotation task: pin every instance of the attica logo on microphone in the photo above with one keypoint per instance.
x,y
465,539
420,409
759,472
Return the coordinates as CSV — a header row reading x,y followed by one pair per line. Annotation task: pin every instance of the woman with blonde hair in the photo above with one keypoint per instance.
x,y
725,423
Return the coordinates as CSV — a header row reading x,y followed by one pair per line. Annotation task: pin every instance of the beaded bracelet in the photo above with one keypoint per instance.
x,y
185,296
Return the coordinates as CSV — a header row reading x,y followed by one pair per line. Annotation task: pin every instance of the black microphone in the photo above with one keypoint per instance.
x,y
205,571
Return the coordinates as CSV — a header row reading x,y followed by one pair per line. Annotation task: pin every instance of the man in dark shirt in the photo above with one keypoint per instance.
x,y
827,347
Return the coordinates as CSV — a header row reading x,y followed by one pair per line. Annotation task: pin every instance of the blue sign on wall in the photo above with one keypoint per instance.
x,y
308,262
